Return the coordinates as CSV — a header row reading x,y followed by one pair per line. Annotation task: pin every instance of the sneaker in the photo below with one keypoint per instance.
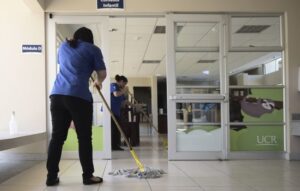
x,y
92,180
52,182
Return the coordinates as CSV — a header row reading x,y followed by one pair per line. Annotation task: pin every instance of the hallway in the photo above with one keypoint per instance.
x,y
242,175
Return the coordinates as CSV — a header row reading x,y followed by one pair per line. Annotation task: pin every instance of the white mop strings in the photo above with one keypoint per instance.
x,y
136,173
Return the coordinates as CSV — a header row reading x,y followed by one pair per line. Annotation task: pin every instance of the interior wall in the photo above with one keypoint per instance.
x,y
138,82
22,77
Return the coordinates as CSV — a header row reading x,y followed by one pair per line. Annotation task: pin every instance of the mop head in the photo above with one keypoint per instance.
x,y
136,173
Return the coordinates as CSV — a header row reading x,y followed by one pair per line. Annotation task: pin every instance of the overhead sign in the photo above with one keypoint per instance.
x,y
31,48
110,4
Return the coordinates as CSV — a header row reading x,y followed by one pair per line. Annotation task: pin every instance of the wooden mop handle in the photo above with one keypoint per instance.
x,y
113,116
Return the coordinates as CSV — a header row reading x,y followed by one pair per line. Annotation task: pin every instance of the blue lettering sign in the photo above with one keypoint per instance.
x,y
27,48
110,4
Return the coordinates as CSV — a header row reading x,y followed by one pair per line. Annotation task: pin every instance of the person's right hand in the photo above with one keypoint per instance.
x,y
98,84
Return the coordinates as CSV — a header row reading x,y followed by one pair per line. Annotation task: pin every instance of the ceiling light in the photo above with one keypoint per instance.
x,y
206,72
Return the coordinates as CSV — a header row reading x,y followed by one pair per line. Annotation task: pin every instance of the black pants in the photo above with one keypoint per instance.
x,y
63,110
115,134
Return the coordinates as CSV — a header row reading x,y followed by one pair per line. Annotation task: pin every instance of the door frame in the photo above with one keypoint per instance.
x,y
221,98
51,21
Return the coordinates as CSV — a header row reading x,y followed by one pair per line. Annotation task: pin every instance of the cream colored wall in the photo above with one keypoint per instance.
x,y
138,82
159,6
289,7
22,76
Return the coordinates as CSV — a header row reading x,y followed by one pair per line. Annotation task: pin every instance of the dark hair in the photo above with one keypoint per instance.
x,y
83,34
121,78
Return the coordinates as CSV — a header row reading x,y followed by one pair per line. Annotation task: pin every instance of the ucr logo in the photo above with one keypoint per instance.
x,y
266,140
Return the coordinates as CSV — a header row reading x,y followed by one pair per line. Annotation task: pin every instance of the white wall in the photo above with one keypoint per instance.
x,y
22,76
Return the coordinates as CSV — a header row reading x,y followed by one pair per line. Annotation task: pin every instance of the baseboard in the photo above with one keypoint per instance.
x,y
293,156
23,156
256,155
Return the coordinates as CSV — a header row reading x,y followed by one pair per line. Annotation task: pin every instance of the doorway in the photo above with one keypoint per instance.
x,y
143,96
60,28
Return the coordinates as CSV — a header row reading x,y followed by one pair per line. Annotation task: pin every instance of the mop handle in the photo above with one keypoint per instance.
x,y
113,116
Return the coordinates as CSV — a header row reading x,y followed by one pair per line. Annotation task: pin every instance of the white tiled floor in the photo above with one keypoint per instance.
x,y
252,175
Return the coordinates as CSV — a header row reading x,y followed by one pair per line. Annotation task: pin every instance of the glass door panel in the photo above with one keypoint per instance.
x,y
195,87
198,126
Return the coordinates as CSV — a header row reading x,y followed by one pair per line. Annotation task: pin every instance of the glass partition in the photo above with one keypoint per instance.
x,y
197,58
255,68
196,34
255,31
198,126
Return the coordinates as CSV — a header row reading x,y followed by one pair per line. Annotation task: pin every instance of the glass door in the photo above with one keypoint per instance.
x,y
196,87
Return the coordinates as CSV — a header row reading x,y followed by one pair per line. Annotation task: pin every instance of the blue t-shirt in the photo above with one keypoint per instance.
x,y
116,102
76,67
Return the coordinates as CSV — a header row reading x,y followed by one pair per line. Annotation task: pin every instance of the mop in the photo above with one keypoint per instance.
x,y
141,172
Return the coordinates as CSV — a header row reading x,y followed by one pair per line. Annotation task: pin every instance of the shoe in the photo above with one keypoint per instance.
x,y
92,180
52,182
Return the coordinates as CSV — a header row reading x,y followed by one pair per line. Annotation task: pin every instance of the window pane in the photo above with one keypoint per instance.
x,y
257,138
188,113
256,105
197,35
199,138
197,72
255,31
198,126
249,68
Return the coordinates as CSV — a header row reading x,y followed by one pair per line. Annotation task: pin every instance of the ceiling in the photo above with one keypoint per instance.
x,y
132,41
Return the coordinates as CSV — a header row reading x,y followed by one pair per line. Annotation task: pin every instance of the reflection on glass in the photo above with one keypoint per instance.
x,y
198,126
197,72
255,68
255,31
188,113
197,90
197,34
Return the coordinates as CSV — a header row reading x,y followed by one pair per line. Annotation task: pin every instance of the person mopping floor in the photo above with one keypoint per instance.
x,y
71,100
